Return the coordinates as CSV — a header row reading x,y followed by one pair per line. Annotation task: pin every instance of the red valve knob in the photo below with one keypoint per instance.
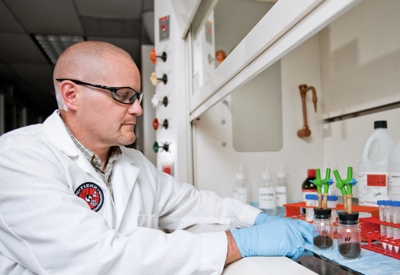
x,y
155,124
154,56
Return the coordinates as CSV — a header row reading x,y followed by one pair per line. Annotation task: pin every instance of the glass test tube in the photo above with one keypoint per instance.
x,y
332,202
382,216
311,200
396,219
389,218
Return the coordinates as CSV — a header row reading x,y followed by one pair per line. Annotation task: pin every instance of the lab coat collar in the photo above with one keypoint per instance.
x,y
56,133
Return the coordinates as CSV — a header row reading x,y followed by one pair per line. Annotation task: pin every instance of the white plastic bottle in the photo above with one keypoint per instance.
x,y
240,190
373,169
394,172
266,194
280,191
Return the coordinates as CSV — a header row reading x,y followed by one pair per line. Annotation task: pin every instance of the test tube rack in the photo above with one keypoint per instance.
x,y
380,244
293,209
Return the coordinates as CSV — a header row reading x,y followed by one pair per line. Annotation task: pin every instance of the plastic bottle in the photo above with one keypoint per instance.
x,y
266,194
374,167
240,190
311,200
280,191
394,172
308,187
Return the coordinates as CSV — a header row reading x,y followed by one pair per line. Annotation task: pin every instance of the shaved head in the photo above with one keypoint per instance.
x,y
90,112
85,61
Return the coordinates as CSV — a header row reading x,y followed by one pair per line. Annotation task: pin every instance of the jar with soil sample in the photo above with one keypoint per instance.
x,y
323,229
349,236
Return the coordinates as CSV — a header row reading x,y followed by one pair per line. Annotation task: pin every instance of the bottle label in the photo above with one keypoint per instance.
x,y
394,186
267,198
376,180
308,191
240,193
372,187
280,195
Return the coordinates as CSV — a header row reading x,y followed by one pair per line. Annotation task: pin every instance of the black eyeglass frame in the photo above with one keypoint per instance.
x,y
113,90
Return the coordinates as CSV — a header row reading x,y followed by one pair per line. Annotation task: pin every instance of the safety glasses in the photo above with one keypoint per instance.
x,y
124,95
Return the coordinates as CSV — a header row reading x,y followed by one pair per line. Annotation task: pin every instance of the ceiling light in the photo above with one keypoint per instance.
x,y
54,45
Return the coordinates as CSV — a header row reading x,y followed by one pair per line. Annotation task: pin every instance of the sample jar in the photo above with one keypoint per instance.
x,y
389,218
349,235
311,200
382,215
396,219
323,229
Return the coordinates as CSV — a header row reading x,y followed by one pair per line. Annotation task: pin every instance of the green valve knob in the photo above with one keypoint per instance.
x,y
164,146
155,146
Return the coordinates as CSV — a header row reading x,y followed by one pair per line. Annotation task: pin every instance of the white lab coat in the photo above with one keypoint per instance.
x,y
45,228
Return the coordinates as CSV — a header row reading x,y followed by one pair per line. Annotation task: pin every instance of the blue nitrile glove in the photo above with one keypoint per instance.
x,y
263,218
283,237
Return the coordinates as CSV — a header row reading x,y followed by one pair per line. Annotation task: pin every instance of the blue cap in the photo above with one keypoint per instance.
x,y
396,203
381,202
388,203
315,197
333,198
311,197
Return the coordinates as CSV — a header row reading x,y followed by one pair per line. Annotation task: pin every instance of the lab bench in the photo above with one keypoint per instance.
x,y
323,262
314,261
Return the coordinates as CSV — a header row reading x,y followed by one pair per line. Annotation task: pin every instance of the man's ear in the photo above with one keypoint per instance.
x,y
69,94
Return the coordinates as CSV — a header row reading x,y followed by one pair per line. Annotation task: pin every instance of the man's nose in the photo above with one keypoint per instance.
x,y
135,109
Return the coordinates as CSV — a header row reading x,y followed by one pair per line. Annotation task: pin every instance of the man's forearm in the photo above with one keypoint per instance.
x,y
233,253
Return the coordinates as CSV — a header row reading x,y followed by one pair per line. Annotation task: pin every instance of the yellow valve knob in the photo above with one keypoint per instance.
x,y
153,78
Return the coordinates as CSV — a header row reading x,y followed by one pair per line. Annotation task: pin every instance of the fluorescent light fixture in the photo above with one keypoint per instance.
x,y
54,45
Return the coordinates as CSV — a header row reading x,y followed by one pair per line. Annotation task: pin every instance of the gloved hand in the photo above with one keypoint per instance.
x,y
283,237
263,218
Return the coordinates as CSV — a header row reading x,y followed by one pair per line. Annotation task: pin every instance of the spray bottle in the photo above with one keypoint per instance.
x,y
281,192
266,194
240,191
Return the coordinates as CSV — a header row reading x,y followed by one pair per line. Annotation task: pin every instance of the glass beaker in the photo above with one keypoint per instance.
x,y
349,236
323,229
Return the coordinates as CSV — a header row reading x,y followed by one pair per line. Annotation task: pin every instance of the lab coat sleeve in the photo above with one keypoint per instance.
x,y
181,205
47,229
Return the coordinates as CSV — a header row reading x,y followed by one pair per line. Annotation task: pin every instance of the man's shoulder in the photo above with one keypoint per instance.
x,y
31,131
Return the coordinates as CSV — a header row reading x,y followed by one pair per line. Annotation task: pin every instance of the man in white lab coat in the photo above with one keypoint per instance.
x,y
74,200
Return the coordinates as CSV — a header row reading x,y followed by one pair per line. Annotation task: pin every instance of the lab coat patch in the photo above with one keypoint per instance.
x,y
92,194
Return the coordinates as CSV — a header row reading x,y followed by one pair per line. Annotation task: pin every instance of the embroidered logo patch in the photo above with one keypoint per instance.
x,y
92,194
